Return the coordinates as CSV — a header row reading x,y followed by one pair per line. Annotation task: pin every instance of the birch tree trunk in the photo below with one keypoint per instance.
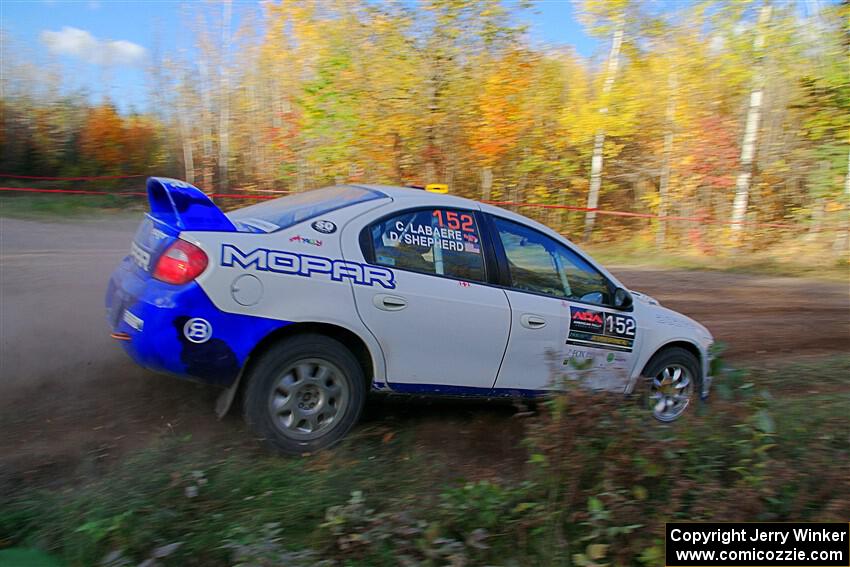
x,y
748,147
599,139
486,183
224,116
842,239
186,136
664,181
188,160
206,122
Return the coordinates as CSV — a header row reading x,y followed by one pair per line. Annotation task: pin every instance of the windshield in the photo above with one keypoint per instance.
x,y
287,211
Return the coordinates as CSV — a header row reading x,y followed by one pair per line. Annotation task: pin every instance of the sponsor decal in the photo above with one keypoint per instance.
x,y
292,263
305,240
598,366
671,321
177,183
324,226
586,320
197,330
131,319
158,234
464,284
139,256
589,327
574,355
578,353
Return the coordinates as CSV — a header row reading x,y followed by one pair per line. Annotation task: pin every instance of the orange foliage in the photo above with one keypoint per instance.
x,y
139,142
102,138
117,144
502,117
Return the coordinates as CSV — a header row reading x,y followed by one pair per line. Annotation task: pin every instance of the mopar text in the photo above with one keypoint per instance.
x,y
281,262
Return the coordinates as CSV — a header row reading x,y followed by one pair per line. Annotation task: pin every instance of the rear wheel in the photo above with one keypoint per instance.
x,y
305,394
674,378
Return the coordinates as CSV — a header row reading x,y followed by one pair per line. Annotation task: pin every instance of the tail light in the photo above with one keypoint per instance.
x,y
180,263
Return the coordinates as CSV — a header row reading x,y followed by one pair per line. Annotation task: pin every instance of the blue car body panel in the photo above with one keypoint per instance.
x,y
153,313
158,314
184,207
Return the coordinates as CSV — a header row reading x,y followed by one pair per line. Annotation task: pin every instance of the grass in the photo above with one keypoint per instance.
x,y
46,206
173,493
600,481
780,259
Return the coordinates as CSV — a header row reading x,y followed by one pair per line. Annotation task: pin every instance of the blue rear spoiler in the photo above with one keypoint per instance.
x,y
182,206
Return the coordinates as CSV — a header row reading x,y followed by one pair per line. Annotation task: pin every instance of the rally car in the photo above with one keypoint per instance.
x,y
306,303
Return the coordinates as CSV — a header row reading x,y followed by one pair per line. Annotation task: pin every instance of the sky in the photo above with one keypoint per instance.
x,y
105,46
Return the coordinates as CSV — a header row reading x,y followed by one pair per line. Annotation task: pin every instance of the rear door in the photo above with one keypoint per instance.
x,y
441,329
562,325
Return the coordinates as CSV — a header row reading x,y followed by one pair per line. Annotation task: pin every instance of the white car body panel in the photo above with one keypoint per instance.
x,y
450,333
292,298
539,358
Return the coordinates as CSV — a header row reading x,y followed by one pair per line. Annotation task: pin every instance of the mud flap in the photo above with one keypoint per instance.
x,y
706,387
226,397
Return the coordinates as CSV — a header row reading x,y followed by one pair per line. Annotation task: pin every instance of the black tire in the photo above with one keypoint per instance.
x,y
671,358
274,386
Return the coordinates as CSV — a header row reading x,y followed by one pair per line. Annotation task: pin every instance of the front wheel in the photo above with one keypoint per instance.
x,y
674,377
304,394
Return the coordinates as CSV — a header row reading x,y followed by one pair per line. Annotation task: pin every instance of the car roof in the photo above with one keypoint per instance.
x,y
421,196
397,193
402,194
426,198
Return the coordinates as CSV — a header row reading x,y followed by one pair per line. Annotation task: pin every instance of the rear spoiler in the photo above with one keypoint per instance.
x,y
183,206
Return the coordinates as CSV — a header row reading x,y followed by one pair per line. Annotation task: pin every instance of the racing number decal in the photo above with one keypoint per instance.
x,y
619,325
456,221
466,223
589,327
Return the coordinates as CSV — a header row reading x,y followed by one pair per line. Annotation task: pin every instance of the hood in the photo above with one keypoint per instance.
x,y
667,317
643,298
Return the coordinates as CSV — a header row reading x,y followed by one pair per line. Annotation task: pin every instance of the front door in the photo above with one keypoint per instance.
x,y
440,329
563,327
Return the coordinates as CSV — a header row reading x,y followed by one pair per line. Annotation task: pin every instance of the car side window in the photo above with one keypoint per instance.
x,y
442,242
540,264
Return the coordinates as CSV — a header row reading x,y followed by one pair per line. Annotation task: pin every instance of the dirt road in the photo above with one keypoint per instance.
x,y
70,400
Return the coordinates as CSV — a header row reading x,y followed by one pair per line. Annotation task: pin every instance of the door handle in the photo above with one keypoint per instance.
x,y
530,321
387,302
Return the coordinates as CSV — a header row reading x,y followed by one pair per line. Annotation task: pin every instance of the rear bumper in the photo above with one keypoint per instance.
x,y
150,318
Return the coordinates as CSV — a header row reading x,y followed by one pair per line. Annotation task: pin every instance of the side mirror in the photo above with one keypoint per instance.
x,y
622,299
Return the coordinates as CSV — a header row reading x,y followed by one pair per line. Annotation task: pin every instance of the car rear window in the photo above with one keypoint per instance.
x,y
443,242
278,214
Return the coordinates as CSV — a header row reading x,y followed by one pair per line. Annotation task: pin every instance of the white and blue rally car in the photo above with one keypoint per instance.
x,y
305,303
